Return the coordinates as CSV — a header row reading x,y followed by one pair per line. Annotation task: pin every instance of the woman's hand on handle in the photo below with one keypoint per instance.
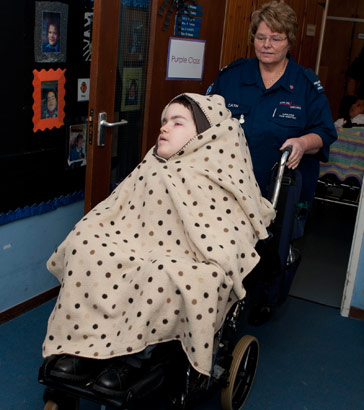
x,y
307,144
298,149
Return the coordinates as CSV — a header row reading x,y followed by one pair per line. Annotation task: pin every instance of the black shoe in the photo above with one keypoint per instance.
x,y
74,368
115,379
260,314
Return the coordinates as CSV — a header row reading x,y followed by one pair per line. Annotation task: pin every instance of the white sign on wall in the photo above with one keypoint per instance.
x,y
185,59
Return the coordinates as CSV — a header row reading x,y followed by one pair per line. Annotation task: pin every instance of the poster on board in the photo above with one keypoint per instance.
x,y
50,32
77,145
132,82
185,59
48,99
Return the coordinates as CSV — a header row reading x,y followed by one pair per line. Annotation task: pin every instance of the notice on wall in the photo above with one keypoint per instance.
x,y
187,27
185,59
83,90
188,21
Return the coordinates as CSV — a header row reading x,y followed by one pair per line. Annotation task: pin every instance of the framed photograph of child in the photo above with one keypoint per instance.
x,y
134,30
50,32
48,99
77,145
131,90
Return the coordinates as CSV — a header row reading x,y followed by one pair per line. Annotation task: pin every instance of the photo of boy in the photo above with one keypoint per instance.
x,y
51,32
77,145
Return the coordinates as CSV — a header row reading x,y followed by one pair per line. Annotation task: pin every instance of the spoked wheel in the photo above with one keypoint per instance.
x,y
242,372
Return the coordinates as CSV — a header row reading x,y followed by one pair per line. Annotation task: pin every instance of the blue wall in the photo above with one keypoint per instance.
x,y
25,246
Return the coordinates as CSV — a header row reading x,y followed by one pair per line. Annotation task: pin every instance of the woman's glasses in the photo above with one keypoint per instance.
x,y
274,40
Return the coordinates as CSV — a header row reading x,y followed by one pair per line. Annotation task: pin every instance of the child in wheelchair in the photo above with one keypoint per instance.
x,y
163,258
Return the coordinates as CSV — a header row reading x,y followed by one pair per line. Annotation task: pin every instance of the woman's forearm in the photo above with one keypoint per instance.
x,y
313,143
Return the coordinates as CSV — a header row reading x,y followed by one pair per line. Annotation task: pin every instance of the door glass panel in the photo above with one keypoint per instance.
x,y
130,86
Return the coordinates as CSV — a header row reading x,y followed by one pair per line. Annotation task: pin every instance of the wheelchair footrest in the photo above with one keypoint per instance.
x,y
132,396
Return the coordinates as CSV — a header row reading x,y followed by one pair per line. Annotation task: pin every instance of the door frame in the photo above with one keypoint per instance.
x,y
105,35
354,257
357,240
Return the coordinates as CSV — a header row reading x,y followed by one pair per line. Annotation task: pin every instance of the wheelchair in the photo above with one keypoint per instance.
x,y
170,380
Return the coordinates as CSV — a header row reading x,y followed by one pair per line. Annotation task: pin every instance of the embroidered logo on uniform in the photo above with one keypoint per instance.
x,y
232,105
290,116
318,85
290,105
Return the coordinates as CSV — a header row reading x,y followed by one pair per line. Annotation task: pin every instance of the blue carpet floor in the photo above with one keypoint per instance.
x,y
311,358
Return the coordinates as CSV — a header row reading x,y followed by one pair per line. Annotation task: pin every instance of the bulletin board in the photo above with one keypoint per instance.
x,y
34,152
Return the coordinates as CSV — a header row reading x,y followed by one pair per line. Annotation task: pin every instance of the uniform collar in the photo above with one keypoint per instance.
x,y
251,76
287,82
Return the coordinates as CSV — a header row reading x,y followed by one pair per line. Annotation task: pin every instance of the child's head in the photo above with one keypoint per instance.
x,y
178,127
357,108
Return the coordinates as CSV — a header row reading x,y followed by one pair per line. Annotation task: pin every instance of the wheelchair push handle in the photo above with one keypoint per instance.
x,y
287,151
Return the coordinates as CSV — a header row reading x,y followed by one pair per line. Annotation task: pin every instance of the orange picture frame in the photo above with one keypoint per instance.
x,y
48,99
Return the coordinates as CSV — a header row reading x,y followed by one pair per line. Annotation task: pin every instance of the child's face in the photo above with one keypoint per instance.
x,y
52,35
51,101
357,108
178,127
80,143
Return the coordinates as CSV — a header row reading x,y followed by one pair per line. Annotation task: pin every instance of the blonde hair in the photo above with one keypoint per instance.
x,y
279,17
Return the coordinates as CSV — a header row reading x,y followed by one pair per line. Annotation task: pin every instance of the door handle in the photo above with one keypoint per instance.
x,y
102,125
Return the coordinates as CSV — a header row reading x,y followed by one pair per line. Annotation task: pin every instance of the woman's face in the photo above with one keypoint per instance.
x,y
52,35
270,47
51,101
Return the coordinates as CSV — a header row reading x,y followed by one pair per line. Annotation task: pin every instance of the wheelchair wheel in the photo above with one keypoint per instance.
x,y
242,372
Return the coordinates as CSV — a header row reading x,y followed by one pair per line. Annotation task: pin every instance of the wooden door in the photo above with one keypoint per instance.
x,y
120,38
341,45
159,90
357,39
108,65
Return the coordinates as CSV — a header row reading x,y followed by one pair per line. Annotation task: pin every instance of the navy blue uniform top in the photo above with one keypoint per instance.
x,y
294,106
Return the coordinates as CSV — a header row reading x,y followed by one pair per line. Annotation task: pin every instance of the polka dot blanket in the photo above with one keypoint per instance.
x,y
164,256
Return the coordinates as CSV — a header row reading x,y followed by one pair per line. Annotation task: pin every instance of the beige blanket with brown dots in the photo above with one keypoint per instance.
x,y
164,256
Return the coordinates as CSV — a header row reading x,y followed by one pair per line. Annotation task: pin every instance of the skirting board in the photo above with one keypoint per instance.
x,y
28,305
356,313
